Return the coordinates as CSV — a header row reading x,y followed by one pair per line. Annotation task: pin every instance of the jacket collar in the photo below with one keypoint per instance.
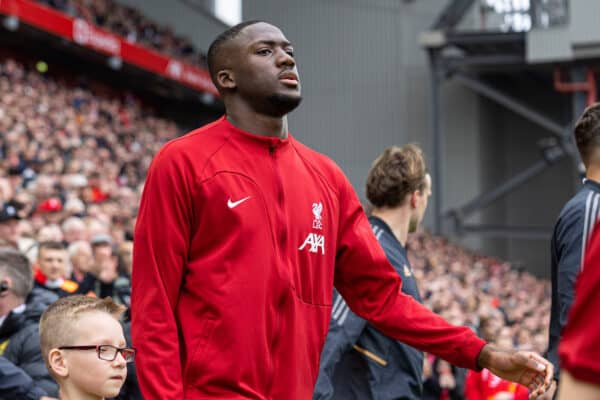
x,y
592,184
267,142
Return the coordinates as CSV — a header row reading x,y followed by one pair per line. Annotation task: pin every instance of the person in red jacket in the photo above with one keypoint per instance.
x,y
483,385
579,348
242,234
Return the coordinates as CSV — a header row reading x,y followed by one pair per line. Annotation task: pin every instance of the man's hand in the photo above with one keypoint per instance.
x,y
549,395
523,367
447,381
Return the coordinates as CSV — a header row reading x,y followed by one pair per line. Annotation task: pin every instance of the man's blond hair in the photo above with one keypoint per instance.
x,y
56,324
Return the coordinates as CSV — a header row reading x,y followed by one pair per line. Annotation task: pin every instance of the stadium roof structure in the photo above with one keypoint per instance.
x,y
550,44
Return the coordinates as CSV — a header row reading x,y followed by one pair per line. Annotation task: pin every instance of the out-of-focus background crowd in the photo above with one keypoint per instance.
x,y
73,166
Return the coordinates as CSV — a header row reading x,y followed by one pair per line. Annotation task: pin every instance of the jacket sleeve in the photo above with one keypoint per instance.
x,y
345,328
161,237
372,289
15,384
24,350
568,244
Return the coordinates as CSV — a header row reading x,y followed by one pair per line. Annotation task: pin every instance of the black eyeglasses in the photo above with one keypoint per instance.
x,y
106,352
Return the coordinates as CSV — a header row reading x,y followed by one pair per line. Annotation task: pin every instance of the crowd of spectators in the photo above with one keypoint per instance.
x,y
132,25
72,167
504,306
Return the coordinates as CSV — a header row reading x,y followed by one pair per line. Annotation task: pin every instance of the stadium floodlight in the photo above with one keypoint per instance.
x,y
11,23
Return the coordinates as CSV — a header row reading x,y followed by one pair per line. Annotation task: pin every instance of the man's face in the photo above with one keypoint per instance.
x,y
422,199
52,263
263,69
75,233
82,259
9,231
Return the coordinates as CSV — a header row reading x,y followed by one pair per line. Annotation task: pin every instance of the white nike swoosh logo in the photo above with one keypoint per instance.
x,y
234,204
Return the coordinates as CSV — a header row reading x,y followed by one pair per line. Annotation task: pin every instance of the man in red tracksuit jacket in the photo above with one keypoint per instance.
x,y
483,385
242,234
579,348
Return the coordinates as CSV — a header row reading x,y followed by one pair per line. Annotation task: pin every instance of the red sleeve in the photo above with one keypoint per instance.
x,y
472,386
580,345
159,255
372,289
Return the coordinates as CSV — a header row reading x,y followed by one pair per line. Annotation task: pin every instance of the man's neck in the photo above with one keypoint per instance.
x,y
398,219
10,303
248,120
593,173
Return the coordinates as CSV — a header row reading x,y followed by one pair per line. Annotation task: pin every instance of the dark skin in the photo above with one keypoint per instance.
x,y
257,77
253,68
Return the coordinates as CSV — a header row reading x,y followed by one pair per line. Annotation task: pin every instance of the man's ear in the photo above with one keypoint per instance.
x,y
58,363
226,79
414,198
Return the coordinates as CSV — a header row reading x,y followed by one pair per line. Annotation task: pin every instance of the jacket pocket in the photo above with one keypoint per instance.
x,y
196,362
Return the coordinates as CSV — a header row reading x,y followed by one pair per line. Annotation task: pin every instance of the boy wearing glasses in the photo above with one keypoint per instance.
x,y
84,347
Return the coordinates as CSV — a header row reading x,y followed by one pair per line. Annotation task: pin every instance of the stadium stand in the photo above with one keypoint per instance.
x,y
132,25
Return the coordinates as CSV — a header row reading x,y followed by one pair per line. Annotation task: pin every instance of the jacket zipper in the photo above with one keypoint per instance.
x,y
280,243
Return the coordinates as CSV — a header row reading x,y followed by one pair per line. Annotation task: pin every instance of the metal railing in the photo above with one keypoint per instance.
x,y
522,15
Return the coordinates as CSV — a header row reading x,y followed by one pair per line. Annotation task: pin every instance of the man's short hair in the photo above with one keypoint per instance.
x,y
57,322
587,132
72,223
397,172
16,265
219,42
50,245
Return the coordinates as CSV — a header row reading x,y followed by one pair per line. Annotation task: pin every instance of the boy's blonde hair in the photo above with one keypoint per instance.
x,y
56,324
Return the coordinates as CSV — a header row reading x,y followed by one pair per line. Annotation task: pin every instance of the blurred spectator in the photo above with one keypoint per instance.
x,y
9,217
74,230
15,384
20,311
80,257
50,233
52,269
104,278
442,381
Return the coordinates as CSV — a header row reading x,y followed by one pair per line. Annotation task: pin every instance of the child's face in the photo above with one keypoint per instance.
x,y
89,375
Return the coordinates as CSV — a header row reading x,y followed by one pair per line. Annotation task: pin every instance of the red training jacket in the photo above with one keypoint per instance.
x,y
580,344
238,243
